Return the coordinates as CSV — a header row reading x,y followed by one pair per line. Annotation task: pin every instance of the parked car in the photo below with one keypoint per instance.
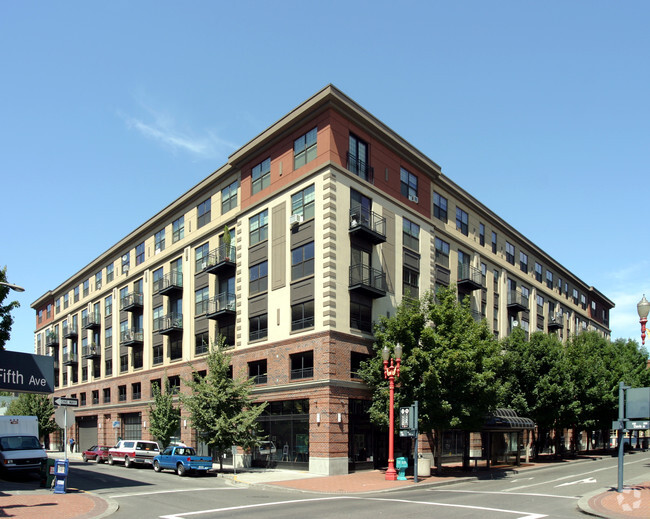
x,y
183,460
133,451
267,448
98,453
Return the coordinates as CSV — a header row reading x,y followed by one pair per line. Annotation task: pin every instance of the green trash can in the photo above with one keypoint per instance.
x,y
47,473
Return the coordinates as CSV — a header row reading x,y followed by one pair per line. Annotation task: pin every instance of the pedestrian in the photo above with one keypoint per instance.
x,y
71,444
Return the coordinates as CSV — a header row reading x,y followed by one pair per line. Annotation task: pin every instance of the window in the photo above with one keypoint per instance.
x,y
155,383
98,280
410,283
229,197
442,248
203,212
302,365
258,277
356,359
174,384
76,294
257,371
124,363
583,301
157,280
108,368
201,297
157,355
126,261
361,316
411,234
175,349
575,296
261,176
439,207
109,273
121,393
159,241
549,279
358,158
107,394
66,301
494,242
108,305
540,302
48,311
84,374
201,256
136,391
510,253
302,261
95,397
302,315
139,253
178,229
108,337
202,343
523,262
303,203
481,233
137,358
57,305
538,272
408,184
305,148
259,227
462,221
257,327
157,318
86,288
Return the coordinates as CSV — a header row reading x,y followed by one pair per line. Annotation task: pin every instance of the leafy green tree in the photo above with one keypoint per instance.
x,y
164,418
449,365
6,320
41,406
220,407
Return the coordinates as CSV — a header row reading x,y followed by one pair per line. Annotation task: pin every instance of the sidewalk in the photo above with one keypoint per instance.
x,y
20,500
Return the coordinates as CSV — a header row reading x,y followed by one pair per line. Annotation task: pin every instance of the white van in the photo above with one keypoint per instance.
x,y
20,450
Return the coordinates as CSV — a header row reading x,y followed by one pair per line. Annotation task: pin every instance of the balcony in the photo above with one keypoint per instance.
x,y
360,168
555,322
367,226
220,260
469,278
91,352
170,284
169,324
222,305
52,340
368,281
517,302
91,322
70,359
131,338
132,302
69,332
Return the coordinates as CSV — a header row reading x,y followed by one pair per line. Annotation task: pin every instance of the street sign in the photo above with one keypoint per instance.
x,y
638,424
60,416
407,433
66,402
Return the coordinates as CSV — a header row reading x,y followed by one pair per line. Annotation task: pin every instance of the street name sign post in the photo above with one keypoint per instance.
x,y
65,403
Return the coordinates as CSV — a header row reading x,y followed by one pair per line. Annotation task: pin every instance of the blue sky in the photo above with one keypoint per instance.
x,y
111,110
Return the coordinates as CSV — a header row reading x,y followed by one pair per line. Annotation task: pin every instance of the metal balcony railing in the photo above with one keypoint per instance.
x,y
363,220
131,336
132,300
168,323
469,277
516,299
226,301
367,278
221,257
360,168
170,281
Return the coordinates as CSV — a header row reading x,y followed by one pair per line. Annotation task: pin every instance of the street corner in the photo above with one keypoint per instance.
x,y
632,502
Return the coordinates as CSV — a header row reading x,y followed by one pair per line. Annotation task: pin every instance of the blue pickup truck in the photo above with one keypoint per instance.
x,y
182,460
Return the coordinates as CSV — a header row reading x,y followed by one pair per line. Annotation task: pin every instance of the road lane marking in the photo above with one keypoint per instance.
x,y
531,494
136,494
520,515
586,480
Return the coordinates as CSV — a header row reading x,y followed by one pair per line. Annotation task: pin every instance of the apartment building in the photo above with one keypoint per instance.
x,y
311,231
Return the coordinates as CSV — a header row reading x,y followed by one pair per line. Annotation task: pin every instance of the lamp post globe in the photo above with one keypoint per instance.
x,y
643,307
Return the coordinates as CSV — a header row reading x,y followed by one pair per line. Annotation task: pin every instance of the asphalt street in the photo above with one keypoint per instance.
x,y
551,491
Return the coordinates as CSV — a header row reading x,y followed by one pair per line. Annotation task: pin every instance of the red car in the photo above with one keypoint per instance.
x,y
96,452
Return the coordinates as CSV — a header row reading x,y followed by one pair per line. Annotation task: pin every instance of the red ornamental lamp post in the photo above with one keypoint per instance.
x,y
643,307
391,372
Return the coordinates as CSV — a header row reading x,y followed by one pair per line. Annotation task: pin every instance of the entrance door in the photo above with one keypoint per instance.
x,y
87,427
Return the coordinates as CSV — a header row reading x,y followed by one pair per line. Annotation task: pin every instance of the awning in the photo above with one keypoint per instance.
x,y
503,419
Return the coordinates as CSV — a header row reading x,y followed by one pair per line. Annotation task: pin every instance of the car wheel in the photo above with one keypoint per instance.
x,y
100,459
180,469
156,466
110,460
127,462
85,458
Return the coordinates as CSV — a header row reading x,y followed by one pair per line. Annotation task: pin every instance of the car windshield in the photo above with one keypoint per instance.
x,y
19,443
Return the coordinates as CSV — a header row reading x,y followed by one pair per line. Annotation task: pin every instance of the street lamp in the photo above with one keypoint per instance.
x,y
12,287
390,372
643,307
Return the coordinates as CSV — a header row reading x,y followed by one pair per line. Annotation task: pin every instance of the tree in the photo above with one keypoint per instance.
x,y
164,418
220,407
41,406
6,320
449,365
